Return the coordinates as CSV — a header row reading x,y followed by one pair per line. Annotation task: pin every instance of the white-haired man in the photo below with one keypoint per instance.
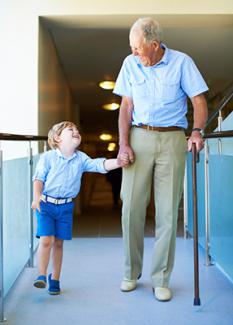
x,y
154,83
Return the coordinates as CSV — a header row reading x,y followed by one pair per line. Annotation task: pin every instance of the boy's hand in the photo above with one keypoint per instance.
x,y
125,156
36,205
124,160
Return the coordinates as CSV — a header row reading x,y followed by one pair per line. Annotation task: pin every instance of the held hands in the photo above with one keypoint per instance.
x,y
124,161
197,139
125,156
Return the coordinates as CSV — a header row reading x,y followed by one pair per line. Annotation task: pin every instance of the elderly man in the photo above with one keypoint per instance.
x,y
154,83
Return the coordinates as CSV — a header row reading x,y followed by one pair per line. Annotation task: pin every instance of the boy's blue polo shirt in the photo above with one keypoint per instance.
x,y
62,179
62,176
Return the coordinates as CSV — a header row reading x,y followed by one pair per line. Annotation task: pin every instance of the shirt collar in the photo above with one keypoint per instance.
x,y
165,57
61,155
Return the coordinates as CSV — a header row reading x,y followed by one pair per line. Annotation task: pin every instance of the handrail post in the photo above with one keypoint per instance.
x,y
2,319
219,130
207,221
31,242
197,301
220,121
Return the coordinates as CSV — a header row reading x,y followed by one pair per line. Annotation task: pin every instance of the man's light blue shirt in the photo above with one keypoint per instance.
x,y
62,176
160,92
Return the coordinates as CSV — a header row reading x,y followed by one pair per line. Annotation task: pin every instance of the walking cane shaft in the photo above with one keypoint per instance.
x,y
197,300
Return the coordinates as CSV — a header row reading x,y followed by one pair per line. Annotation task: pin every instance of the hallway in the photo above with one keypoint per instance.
x,y
92,271
55,55
100,218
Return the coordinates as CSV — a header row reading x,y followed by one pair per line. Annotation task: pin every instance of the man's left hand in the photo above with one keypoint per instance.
x,y
197,139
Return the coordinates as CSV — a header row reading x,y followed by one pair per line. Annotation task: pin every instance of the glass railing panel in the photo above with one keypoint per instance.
x,y
223,146
35,240
15,218
221,211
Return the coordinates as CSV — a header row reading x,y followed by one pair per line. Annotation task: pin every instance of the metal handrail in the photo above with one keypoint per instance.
x,y
21,137
219,134
223,103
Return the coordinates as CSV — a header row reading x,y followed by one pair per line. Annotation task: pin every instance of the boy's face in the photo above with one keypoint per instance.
x,y
70,137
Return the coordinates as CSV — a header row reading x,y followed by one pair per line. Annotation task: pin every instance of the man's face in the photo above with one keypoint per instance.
x,y
145,51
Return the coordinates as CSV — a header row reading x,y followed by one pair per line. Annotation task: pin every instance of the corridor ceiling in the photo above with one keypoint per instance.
x,y
92,48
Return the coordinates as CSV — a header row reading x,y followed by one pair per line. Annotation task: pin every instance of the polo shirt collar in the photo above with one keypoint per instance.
x,y
61,155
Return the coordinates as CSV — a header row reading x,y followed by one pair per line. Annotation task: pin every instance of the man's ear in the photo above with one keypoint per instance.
x,y
156,45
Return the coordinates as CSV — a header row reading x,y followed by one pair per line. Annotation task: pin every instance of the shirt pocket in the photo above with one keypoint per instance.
x,y
170,91
139,88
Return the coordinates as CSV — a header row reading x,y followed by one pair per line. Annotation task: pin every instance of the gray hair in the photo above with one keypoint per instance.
x,y
150,29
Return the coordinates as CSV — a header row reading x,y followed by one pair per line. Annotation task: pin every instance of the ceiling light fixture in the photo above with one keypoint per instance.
x,y
107,84
111,146
111,106
105,136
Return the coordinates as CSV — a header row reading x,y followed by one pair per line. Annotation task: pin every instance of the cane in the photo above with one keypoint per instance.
x,y
197,301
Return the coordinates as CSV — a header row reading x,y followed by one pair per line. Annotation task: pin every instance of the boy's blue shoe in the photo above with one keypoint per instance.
x,y
40,282
54,286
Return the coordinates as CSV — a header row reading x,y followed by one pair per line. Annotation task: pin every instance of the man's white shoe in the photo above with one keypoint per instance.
x,y
128,285
162,294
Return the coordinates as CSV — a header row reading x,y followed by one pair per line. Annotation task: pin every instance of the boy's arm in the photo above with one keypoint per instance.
x,y
110,164
102,165
37,191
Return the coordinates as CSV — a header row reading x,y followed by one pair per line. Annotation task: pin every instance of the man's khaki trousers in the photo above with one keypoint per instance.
x,y
159,159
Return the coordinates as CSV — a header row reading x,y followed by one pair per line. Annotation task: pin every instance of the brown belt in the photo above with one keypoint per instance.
x,y
159,128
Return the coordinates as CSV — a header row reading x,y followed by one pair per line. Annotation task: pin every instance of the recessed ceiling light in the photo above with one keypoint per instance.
x,y
105,136
111,107
107,84
111,146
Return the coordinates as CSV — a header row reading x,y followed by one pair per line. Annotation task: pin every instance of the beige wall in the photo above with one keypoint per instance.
x,y
55,102
19,46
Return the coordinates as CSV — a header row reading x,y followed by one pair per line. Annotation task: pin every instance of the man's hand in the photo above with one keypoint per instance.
x,y
125,156
124,161
197,139
200,113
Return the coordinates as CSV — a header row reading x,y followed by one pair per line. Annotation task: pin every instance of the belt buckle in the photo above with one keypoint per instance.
x,y
43,198
56,201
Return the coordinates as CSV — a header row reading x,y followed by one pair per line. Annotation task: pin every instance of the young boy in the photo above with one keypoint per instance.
x,y
57,182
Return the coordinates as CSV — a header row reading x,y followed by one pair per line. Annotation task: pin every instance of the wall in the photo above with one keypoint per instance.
x,y
19,32
19,42
54,98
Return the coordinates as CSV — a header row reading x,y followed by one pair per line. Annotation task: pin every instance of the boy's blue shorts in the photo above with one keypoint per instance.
x,y
55,220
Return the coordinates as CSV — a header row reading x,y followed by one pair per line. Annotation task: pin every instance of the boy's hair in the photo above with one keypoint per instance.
x,y
56,130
